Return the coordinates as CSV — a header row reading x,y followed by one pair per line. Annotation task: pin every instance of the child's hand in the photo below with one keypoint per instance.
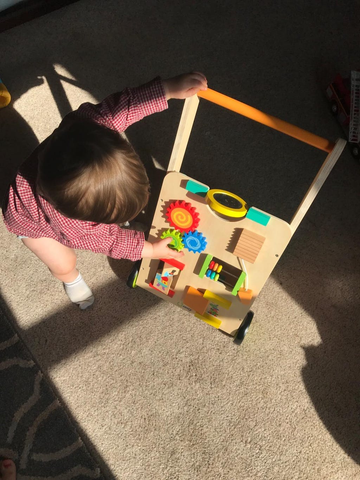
x,y
184,86
160,249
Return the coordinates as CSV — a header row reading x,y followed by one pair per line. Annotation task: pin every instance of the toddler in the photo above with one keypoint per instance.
x,y
85,180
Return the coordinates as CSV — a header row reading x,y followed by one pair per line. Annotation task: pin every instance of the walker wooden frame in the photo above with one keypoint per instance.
x,y
231,249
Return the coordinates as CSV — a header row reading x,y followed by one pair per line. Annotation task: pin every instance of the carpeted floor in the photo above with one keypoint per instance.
x,y
155,393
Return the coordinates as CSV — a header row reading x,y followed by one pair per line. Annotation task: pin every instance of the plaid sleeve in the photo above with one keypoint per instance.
x,y
37,218
111,240
120,110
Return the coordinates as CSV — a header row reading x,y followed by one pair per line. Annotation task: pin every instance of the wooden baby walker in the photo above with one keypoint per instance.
x,y
229,249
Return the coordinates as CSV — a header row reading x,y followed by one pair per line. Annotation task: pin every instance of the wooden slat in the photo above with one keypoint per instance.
x,y
318,182
183,133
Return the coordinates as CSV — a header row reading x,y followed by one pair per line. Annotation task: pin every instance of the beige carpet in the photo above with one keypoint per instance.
x,y
156,393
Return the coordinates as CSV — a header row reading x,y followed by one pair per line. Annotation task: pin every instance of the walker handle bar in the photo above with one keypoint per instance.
x,y
270,121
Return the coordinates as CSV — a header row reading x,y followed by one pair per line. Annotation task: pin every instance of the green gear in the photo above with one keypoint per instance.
x,y
177,243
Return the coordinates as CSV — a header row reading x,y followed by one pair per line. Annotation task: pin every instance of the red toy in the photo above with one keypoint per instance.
x,y
344,96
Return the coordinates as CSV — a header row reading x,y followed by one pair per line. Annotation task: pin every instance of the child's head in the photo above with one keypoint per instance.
x,y
89,172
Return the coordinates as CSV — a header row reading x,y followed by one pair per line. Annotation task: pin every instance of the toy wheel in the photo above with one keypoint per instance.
x,y
244,327
334,108
355,150
132,278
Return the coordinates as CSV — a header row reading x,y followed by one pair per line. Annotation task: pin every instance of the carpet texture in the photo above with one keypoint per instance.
x,y
155,393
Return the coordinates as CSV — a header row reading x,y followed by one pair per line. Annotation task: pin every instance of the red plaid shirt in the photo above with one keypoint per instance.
x,y
30,215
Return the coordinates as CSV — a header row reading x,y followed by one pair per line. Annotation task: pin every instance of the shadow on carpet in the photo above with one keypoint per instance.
x,y
35,430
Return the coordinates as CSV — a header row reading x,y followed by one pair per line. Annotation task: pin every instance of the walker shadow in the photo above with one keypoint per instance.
x,y
326,283
326,250
331,376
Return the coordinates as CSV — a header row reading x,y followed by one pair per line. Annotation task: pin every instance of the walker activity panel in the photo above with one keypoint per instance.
x,y
227,256
230,247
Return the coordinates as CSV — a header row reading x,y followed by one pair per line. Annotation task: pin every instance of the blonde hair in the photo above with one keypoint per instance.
x,y
89,172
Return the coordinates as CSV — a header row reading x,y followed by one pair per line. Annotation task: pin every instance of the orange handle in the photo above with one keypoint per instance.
x,y
272,122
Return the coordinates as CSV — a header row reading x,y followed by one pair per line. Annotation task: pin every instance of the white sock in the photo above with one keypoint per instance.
x,y
79,292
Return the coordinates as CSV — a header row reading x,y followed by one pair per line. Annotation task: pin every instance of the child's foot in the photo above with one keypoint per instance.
x,y
79,293
84,304
7,470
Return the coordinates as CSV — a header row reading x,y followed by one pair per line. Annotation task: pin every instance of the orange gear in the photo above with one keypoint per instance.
x,y
182,216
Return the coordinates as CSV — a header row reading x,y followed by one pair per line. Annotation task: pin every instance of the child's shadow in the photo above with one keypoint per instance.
x,y
17,139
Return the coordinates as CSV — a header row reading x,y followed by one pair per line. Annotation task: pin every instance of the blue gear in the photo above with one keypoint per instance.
x,y
194,241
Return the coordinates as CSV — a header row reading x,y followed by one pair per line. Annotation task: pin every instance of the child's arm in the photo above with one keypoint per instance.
x,y
160,249
120,110
112,240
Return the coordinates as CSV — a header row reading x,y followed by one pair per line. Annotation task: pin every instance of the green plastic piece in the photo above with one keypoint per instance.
x,y
257,216
176,242
205,265
238,284
196,188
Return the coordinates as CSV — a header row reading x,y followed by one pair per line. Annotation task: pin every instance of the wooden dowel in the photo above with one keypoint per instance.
x,y
270,121
317,183
183,133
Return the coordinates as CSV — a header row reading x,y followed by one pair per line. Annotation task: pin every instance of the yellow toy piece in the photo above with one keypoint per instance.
x,y
5,97
226,203
209,319
212,297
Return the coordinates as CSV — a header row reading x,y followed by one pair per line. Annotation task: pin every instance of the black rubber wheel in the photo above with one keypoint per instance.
x,y
334,108
355,150
132,278
244,327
